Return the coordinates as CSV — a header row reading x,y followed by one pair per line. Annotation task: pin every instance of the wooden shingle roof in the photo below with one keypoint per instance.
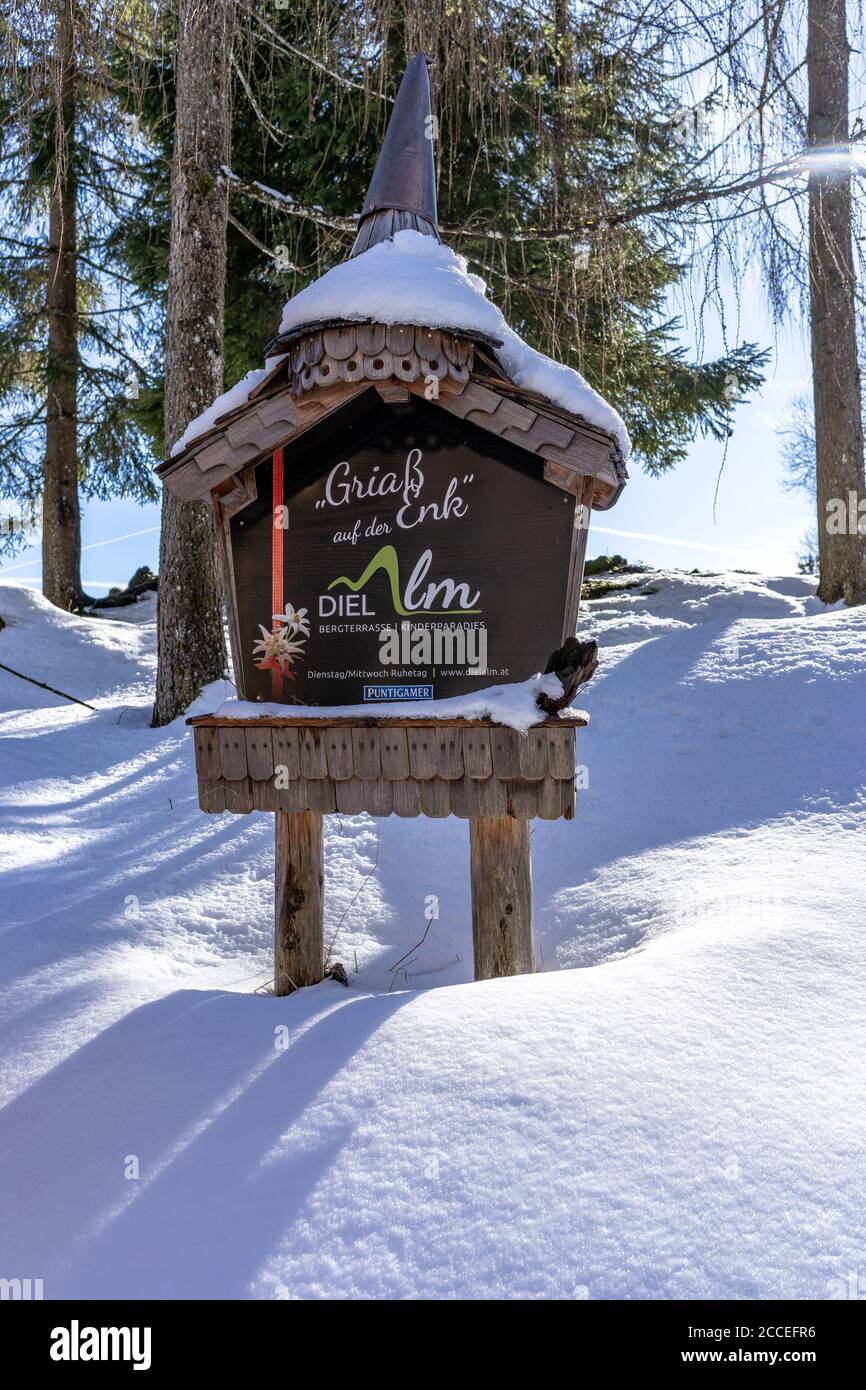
x,y
327,368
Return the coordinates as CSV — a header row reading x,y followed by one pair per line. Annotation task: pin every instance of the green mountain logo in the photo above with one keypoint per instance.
x,y
387,559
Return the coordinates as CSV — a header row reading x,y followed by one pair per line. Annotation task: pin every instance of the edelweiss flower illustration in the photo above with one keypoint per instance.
x,y
275,651
295,620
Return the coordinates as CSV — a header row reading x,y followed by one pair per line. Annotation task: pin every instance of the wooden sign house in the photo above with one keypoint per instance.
x,y
402,497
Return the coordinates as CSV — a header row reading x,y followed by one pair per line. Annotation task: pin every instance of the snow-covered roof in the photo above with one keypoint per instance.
x,y
235,396
416,279
399,272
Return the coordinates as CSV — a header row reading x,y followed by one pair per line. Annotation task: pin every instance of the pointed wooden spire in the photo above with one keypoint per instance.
x,y
402,191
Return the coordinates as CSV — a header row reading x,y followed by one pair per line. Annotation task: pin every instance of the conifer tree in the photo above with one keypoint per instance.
x,y
68,316
521,110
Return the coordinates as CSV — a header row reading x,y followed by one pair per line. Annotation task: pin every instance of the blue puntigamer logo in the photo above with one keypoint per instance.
x,y
398,692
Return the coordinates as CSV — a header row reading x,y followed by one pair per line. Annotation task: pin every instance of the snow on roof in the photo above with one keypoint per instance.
x,y
413,278
229,400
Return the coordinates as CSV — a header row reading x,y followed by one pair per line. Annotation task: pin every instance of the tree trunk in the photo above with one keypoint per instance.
x,y
560,200
835,370
61,517
189,620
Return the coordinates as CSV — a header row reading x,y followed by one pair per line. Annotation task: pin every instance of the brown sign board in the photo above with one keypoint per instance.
x,y
386,548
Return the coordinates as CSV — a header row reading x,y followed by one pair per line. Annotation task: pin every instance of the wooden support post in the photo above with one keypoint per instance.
x,y
299,921
501,896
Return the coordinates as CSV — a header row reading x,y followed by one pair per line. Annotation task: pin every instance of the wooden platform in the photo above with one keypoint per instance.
x,y
462,767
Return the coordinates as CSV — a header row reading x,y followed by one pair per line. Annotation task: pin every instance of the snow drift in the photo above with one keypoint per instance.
x,y
673,1108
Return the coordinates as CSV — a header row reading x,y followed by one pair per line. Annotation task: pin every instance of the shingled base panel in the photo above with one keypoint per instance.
x,y
461,768
302,768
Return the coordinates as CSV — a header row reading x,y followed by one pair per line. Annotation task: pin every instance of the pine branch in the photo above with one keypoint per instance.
x,y
42,686
260,245
281,43
281,202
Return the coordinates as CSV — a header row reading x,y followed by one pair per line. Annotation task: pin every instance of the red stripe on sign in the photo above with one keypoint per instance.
x,y
277,563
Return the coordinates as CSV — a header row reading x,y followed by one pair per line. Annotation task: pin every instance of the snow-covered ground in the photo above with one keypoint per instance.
x,y
675,1107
